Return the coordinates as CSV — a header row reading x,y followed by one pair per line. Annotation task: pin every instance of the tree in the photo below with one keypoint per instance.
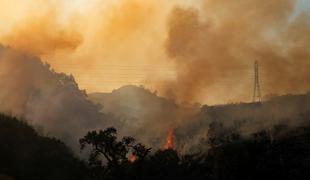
x,y
105,145
140,151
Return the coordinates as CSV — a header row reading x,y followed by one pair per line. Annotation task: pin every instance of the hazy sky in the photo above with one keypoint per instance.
x,y
107,44
115,40
304,4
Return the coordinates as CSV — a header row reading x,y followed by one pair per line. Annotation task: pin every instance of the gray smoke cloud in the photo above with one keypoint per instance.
x,y
214,48
142,114
244,119
51,101
216,42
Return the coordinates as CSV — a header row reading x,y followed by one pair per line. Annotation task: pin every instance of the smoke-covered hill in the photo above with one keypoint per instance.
x,y
224,121
27,155
142,113
148,117
48,100
53,101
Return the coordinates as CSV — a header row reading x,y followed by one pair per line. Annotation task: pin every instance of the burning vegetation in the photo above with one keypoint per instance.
x,y
132,158
170,140
285,156
206,47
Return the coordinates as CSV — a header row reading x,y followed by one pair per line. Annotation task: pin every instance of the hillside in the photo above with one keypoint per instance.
x,y
142,113
27,155
234,141
148,117
133,102
290,111
47,99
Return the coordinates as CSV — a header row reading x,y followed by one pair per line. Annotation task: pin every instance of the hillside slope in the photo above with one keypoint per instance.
x,y
27,155
142,113
290,111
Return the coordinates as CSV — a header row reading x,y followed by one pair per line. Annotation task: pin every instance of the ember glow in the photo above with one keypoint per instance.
x,y
132,158
174,78
170,140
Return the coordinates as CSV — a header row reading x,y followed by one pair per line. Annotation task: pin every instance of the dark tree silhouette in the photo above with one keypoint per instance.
x,y
281,152
140,151
106,146
105,143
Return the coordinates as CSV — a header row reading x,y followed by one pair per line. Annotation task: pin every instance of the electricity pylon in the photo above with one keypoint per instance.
x,y
256,91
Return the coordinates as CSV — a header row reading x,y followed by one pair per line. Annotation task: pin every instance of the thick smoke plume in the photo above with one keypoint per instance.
x,y
50,101
85,38
194,50
43,36
214,49
53,103
211,50
40,28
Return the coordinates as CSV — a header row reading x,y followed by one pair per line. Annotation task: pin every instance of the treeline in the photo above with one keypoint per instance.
x,y
276,153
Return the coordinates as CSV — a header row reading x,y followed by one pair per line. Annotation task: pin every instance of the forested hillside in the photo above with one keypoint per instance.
x,y
24,154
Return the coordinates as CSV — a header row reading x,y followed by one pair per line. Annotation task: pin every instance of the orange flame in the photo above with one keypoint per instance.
x,y
132,158
169,140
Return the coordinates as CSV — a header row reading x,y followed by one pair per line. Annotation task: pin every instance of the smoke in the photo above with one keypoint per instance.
x,y
275,116
53,103
38,27
43,36
210,46
194,51
48,100
214,49
86,38
142,114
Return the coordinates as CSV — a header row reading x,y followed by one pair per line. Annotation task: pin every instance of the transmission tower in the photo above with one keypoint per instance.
x,y
256,91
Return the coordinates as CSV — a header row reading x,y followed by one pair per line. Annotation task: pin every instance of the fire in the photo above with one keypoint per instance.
x,y
169,140
132,158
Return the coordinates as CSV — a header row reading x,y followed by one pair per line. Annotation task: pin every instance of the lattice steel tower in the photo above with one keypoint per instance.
x,y
256,91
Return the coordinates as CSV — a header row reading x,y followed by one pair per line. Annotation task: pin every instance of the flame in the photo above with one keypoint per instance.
x,y
169,140
132,158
